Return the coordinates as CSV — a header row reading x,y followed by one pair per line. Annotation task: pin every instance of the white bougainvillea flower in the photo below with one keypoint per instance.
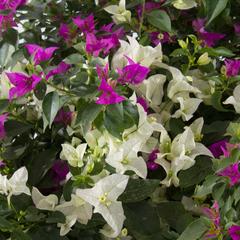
x,y
235,99
184,4
196,128
74,156
44,202
103,196
152,89
126,158
77,208
188,107
67,226
143,55
179,154
119,12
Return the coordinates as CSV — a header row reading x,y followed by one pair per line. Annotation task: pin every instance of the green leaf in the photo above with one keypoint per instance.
x,y
87,113
5,225
214,8
3,105
56,217
197,173
160,19
11,36
41,163
138,190
179,217
51,105
217,52
142,220
20,235
74,58
216,100
14,128
194,230
218,190
40,90
119,117
6,51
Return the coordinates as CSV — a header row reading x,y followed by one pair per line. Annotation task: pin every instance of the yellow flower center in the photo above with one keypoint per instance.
x,y
125,161
104,200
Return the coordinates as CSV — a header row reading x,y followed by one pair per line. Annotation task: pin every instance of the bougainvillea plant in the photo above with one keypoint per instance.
x,y
119,119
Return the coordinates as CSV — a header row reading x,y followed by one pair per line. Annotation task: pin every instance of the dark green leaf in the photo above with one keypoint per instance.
x,y
160,19
194,230
218,190
87,113
56,217
5,225
20,235
51,105
11,36
214,8
14,128
138,190
217,52
6,51
3,105
40,90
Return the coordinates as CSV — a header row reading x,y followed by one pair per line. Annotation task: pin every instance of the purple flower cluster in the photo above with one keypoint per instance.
x,y
209,39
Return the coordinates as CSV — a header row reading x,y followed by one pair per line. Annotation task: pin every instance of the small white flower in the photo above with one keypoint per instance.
x,y
119,12
188,106
66,227
74,156
44,202
76,208
126,158
103,196
235,99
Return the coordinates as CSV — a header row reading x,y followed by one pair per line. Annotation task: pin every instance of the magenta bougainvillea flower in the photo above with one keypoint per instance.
x,y
234,232
209,38
7,20
59,171
232,67
237,29
214,215
60,69
143,103
108,96
64,117
133,73
157,37
151,165
3,118
40,54
22,84
93,45
218,148
108,30
2,164
64,31
86,25
232,173
109,43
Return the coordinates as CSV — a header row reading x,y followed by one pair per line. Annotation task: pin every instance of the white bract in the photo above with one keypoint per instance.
x,y
184,4
144,55
119,12
188,106
126,158
44,202
16,185
74,156
179,154
235,99
103,196
76,208
152,89
67,226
